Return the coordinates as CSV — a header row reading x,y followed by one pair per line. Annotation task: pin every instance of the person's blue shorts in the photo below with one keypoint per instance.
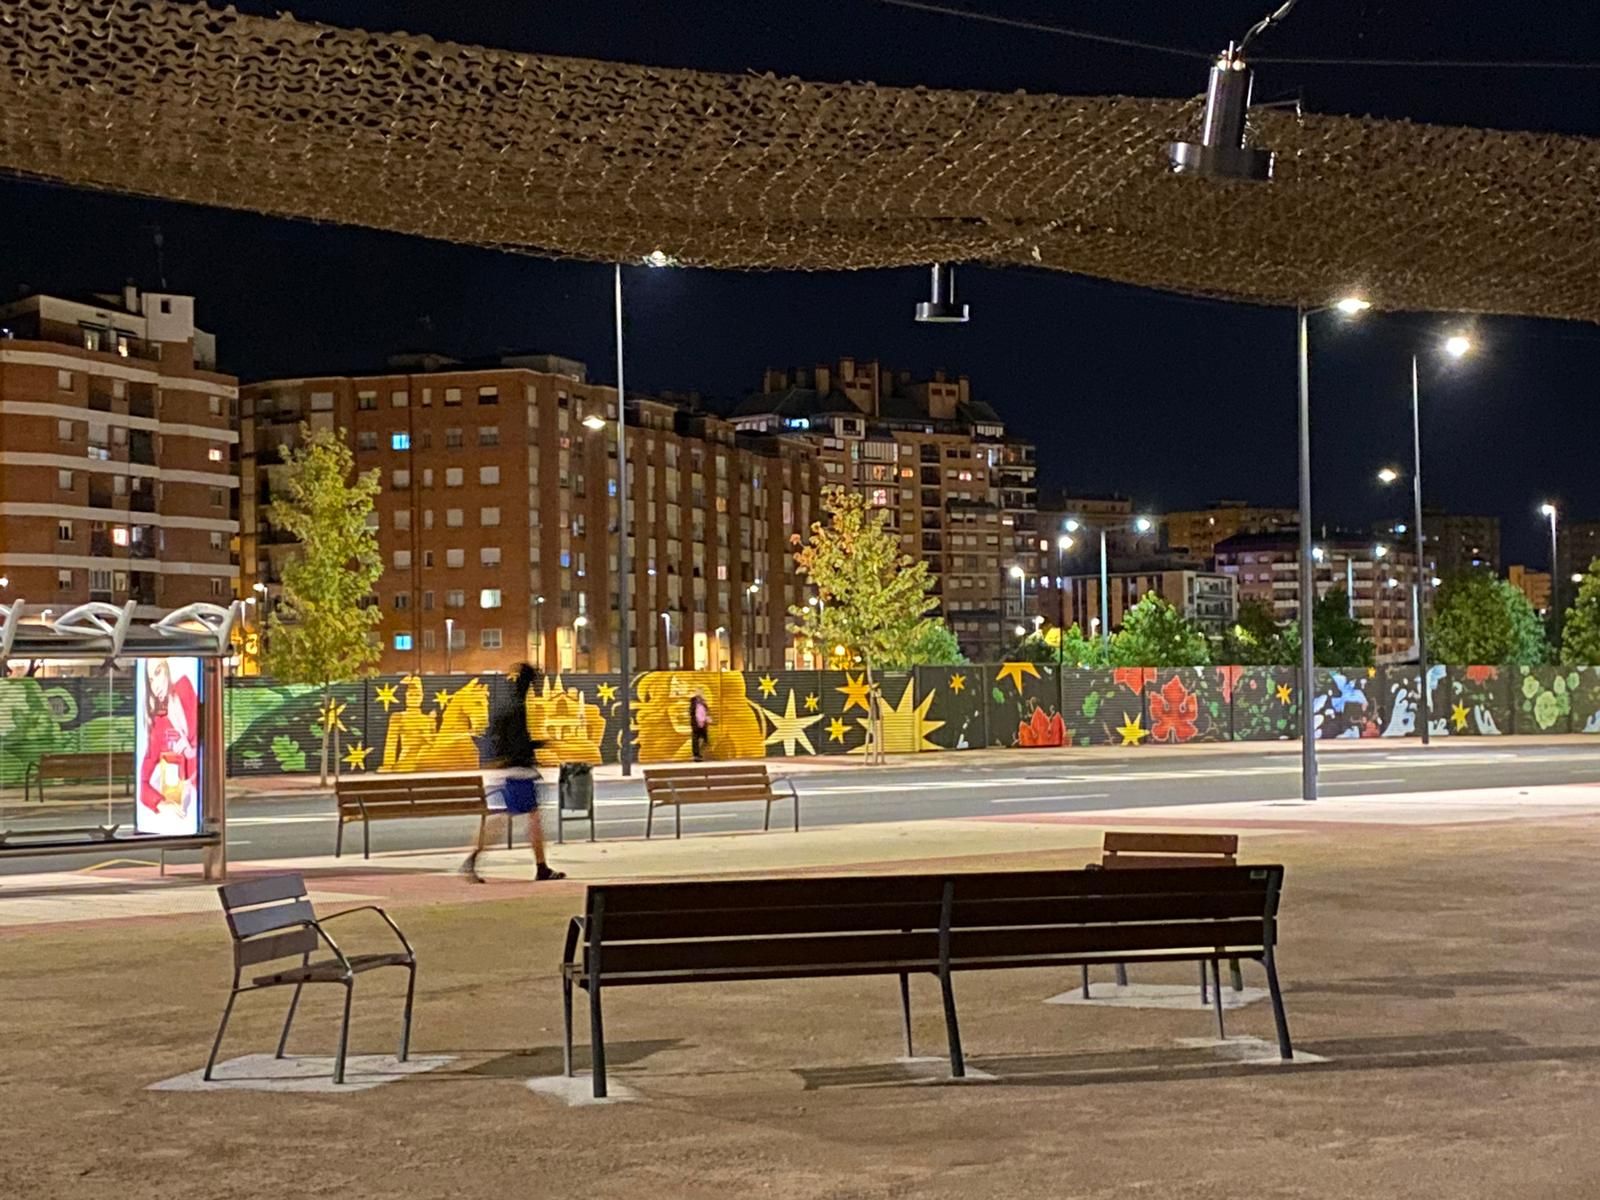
x,y
522,795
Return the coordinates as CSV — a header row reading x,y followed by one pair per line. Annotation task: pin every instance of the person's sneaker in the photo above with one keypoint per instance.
x,y
544,871
470,870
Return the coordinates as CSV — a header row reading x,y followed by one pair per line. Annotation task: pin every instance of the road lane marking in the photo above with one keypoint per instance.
x,y
1049,799
1360,782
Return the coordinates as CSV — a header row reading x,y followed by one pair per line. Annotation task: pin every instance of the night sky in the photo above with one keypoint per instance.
x,y
1178,402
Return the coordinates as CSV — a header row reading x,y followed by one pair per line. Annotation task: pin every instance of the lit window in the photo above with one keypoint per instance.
x,y
399,441
402,641
119,535
214,454
489,598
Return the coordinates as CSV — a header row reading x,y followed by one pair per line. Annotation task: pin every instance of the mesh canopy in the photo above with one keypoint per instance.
x,y
594,160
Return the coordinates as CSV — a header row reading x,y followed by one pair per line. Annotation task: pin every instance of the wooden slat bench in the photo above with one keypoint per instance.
x,y
726,931
404,797
79,767
720,784
1141,850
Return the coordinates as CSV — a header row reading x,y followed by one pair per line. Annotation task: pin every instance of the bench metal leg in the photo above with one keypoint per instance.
x,y
1216,996
344,1032
766,824
1285,1049
566,1025
216,1044
405,1017
288,1020
597,1040
649,818
1238,977
1205,994
1086,981
1122,974
905,1009
338,840
677,820
366,839
958,1062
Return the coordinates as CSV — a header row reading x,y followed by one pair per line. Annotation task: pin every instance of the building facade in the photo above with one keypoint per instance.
x,y
1379,578
1210,599
1535,585
499,517
1195,533
959,492
1577,546
1455,543
117,465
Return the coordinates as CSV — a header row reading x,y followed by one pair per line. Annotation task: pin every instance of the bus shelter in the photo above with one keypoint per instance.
x,y
111,731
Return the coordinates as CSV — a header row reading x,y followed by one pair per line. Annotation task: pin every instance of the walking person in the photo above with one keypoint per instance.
x,y
699,725
513,749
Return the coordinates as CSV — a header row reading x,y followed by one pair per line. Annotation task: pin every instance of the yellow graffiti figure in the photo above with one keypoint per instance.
x,y
662,716
423,741
566,727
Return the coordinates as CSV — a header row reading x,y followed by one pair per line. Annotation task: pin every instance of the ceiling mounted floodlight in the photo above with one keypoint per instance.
x,y
941,306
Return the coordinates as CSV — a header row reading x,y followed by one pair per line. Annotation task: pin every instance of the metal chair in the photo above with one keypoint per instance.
x,y
271,919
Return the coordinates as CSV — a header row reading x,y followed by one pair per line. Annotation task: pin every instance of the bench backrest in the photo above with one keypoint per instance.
x,y
86,760
267,918
1144,850
410,791
707,785
843,925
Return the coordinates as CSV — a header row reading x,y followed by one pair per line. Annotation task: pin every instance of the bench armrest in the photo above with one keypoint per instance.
x,y
574,928
373,908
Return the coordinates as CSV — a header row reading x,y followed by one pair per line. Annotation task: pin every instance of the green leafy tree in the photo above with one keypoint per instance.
x,y
935,646
1254,639
1341,640
1154,634
1051,645
1580,632
873,600
1478,619
320,631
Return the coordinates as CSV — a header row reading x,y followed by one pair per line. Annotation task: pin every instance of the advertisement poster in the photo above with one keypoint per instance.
x,y
166,746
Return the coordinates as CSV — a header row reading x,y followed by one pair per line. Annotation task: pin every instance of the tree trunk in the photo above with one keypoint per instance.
x,y
874,718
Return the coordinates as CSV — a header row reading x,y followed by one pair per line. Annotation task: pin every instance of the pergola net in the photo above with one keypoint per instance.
x,y
595,160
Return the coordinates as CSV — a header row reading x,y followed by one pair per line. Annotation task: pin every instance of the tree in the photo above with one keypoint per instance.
x,y
1154,634
1478,619
872,599
1341,640
320,631
1253,640
1050,646
935,646
1580,632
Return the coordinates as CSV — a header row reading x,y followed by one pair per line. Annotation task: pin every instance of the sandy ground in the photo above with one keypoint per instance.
x,y
1449,975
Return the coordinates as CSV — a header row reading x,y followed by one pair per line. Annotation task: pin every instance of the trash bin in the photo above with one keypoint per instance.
x,y
575,797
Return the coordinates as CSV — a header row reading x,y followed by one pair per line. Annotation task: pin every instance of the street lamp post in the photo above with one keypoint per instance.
x,y
538,628
1140,525
449,642
1424,701
666,619
1548,509
624,562
750,624
1063,544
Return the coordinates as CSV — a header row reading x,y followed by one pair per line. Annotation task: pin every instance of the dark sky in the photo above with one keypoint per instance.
x,y
1178,402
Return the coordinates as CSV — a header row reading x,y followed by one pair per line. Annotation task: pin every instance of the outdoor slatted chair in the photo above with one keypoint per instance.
x,y
270,920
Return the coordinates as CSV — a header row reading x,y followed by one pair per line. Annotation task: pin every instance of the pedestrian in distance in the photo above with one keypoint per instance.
x,y
699,725
513,749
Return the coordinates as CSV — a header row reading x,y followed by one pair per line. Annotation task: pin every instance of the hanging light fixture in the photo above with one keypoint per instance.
x,y
1221,153
941,307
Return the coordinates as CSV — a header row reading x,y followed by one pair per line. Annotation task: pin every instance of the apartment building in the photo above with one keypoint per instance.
x,y
1578,545
1210,599
1379,577
960,492
116,454
499,517
1133,537
1535,585
1194,533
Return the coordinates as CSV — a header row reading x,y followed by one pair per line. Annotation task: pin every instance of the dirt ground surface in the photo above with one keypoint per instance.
x,y
1450,976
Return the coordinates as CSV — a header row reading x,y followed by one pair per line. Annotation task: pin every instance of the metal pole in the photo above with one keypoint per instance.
x,y
1308,587
623,748
1350,587
1061,604
214,767
1555,585
1423,573
449,641
1105,596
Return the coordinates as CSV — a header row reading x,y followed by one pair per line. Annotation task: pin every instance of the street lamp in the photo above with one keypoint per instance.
x,y
1063,544
1140,525
594,421
750,624
941,308
666,619
1548,509
538,628
1388,475
449,642
1021,577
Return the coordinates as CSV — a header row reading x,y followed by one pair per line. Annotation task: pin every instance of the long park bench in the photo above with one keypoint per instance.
x,y
406,797
640,934
718,784
78,767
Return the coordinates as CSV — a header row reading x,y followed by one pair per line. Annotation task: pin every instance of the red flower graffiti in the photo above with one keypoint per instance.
x,y
1229,678
1040,730
1134,678
1482,674
1172,712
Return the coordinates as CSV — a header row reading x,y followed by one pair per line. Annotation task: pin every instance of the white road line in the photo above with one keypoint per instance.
x,y
1360,782
1050,799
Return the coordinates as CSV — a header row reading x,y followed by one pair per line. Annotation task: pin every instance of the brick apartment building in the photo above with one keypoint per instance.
x,y
1535,585
1194,533
1455,543
499,515
116,454
959,492
1210,599
1577,546
1379,577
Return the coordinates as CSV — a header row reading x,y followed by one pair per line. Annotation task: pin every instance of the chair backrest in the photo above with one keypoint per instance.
x,y
267,918
1143,850
689,785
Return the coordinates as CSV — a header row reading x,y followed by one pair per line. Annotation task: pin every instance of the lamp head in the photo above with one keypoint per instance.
x,y
1547,509
941,308
1352,305
1020,631
1017,572
658,258
1064,542
1143,524
1457,345
594,421
1072,525
1380,550
1388,475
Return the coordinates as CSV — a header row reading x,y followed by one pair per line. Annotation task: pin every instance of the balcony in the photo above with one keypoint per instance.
x,y
142,400
142,501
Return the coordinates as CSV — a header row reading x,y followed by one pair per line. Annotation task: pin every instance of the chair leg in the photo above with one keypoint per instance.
x,y
958,1062
405,1019
1086,981
366,839
338,840
344,1032
566,1025
597,1040
1238,977
766,824
1285,1048
1216,997
288,1020
1205,997
905,1010
216,1044
1122,974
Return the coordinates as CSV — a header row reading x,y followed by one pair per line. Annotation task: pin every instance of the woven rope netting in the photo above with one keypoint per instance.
x,y
596,160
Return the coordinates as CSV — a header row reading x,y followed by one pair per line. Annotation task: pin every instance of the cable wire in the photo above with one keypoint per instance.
x,y
1280,60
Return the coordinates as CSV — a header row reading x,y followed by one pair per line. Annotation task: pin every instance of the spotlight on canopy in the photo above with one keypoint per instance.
x,y
941,307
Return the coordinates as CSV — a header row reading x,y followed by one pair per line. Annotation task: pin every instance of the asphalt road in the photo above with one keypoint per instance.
x,y
855,794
